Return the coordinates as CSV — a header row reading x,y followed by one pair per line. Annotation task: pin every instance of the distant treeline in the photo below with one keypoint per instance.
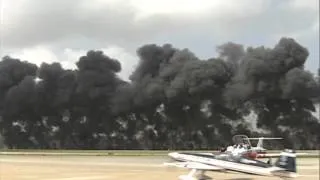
x,y
174,100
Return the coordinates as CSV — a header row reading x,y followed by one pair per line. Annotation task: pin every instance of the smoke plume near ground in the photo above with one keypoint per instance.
x,y
173,99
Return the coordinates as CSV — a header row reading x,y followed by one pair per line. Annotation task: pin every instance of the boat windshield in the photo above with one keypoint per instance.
x,y
241,140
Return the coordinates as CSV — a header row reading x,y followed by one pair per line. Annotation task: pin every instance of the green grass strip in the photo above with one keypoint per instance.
x,y
310,153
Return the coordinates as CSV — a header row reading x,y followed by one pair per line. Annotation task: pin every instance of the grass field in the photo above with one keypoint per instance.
x,y
310,153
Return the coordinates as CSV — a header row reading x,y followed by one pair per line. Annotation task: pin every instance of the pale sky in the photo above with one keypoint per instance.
x,y
63,30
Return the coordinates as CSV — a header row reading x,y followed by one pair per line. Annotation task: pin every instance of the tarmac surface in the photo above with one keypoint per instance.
x,y
117,168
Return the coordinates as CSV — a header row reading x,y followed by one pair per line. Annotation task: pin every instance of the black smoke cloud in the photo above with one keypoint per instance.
x,y
298,84
166,73
55,88
20,97
231,52
172,93
12,72
96,74
276,72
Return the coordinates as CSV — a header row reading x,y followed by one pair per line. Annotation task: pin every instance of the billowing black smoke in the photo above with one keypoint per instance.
x,y
272,73
174,99
12,72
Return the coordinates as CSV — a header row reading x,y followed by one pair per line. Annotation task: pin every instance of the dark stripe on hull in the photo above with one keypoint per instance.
x,y
246,172
239,160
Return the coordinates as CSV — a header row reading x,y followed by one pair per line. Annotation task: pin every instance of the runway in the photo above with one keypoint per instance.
x,y
116,168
